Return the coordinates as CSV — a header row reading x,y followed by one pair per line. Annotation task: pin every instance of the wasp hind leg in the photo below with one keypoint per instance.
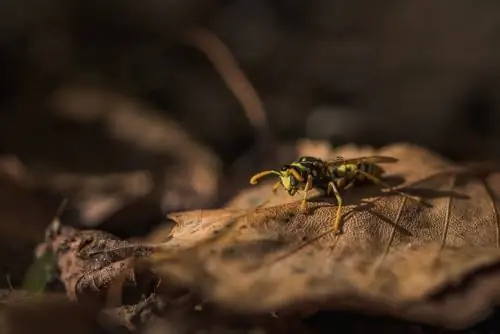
x,y
350,184
379,182
303,204
332,187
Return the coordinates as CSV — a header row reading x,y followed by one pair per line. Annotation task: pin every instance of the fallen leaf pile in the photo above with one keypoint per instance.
x,y
259,265
435,262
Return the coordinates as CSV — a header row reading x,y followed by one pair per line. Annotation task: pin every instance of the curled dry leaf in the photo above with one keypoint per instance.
x,y
133,316
436,263
90,260
186,315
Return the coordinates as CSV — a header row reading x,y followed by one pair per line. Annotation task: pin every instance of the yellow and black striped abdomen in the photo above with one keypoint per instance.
x,y
349,172
372,169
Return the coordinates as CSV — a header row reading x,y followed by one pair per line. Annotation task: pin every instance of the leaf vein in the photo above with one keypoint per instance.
x,y
496,219
393,232
447,215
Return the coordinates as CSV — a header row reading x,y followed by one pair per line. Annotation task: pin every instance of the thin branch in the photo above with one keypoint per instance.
x,y
227,67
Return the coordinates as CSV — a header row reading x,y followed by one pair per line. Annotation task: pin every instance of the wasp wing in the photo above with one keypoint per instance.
x,y
370,159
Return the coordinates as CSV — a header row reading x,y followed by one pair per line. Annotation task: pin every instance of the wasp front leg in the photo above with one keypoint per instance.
x,y
275,187
308,186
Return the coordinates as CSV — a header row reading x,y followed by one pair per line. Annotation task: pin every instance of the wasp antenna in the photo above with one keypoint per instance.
x,y
260,175
296,174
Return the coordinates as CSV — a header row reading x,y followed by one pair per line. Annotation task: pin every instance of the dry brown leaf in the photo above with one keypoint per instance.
x,y
90,260
437,264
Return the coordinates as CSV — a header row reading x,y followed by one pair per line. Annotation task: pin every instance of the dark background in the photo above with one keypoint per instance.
x,y
425,71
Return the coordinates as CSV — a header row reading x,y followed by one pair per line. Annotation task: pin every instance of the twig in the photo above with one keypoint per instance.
x,y
227,67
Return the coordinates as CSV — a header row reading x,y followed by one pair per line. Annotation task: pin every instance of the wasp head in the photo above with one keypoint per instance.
x,y
290,179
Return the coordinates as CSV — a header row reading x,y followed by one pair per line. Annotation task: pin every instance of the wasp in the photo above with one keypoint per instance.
x,y
331,176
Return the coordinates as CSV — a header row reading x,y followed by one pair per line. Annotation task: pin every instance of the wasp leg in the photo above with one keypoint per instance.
x,y
303,205
333,187
350,184
379,182
275,187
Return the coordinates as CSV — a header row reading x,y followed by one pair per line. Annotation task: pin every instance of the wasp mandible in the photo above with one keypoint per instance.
x,y
331,176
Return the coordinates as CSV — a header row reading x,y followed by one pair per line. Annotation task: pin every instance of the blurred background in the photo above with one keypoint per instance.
x,y
133,109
